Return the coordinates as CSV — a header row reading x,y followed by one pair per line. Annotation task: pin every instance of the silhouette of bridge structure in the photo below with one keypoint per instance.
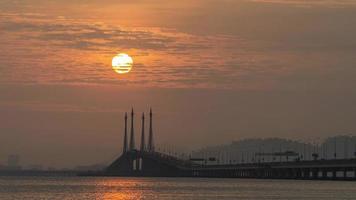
x,y
147,162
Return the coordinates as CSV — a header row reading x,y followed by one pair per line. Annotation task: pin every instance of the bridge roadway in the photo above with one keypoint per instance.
x,y
154,164
340,169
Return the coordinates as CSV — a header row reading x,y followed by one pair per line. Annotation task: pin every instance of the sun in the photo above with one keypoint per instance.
x,y
122,63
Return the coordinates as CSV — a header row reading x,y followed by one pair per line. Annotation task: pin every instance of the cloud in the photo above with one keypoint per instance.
x,y
86,36
329,3
184,59
210,45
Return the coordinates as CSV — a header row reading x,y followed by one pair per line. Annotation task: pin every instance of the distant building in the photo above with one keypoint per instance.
x,y
13,162
35,167
95,167
51,169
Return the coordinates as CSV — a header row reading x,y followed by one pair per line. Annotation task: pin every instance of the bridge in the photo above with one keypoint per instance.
x,y
154,164
343,169
147,162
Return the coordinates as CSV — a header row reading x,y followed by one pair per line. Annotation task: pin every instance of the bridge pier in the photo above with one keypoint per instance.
x,y
297,173
253,174
287,174
334,174
284,173
276,173
279,173
290,174
315,173
325,174
137,163
306,173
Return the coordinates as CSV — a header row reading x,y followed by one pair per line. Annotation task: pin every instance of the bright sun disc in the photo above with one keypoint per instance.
x,y
122,63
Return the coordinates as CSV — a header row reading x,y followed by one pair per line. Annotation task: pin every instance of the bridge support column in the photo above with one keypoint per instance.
x,y
315,173
137,163
334,174
298,173
283,173
290,173
275,173
306,173
325,174
295,173
279,173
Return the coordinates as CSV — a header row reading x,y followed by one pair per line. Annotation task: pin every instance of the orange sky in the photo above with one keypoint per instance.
x,y
226,69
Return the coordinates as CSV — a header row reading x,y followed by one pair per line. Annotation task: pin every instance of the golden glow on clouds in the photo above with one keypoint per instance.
x,y
122,63
172,48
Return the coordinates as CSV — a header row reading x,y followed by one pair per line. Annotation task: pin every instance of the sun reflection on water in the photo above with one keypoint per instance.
x,y
121,189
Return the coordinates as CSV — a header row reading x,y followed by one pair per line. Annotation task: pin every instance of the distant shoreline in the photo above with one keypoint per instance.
x,y
38,173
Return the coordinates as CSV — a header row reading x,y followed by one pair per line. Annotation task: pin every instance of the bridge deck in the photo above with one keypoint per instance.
x,y
136,163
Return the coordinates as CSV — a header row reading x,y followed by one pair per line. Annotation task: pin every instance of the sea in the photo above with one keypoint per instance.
x,y
117,188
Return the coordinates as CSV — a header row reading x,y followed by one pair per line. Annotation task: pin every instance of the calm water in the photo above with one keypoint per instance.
x,y
170,188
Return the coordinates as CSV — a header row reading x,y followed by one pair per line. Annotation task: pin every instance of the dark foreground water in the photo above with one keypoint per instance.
x,y
170,188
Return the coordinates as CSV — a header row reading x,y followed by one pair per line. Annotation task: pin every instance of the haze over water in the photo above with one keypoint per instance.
x,y
65,188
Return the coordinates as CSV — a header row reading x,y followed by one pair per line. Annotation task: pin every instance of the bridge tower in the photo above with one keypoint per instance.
x,y
142,148
125,135
132,136
150,137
